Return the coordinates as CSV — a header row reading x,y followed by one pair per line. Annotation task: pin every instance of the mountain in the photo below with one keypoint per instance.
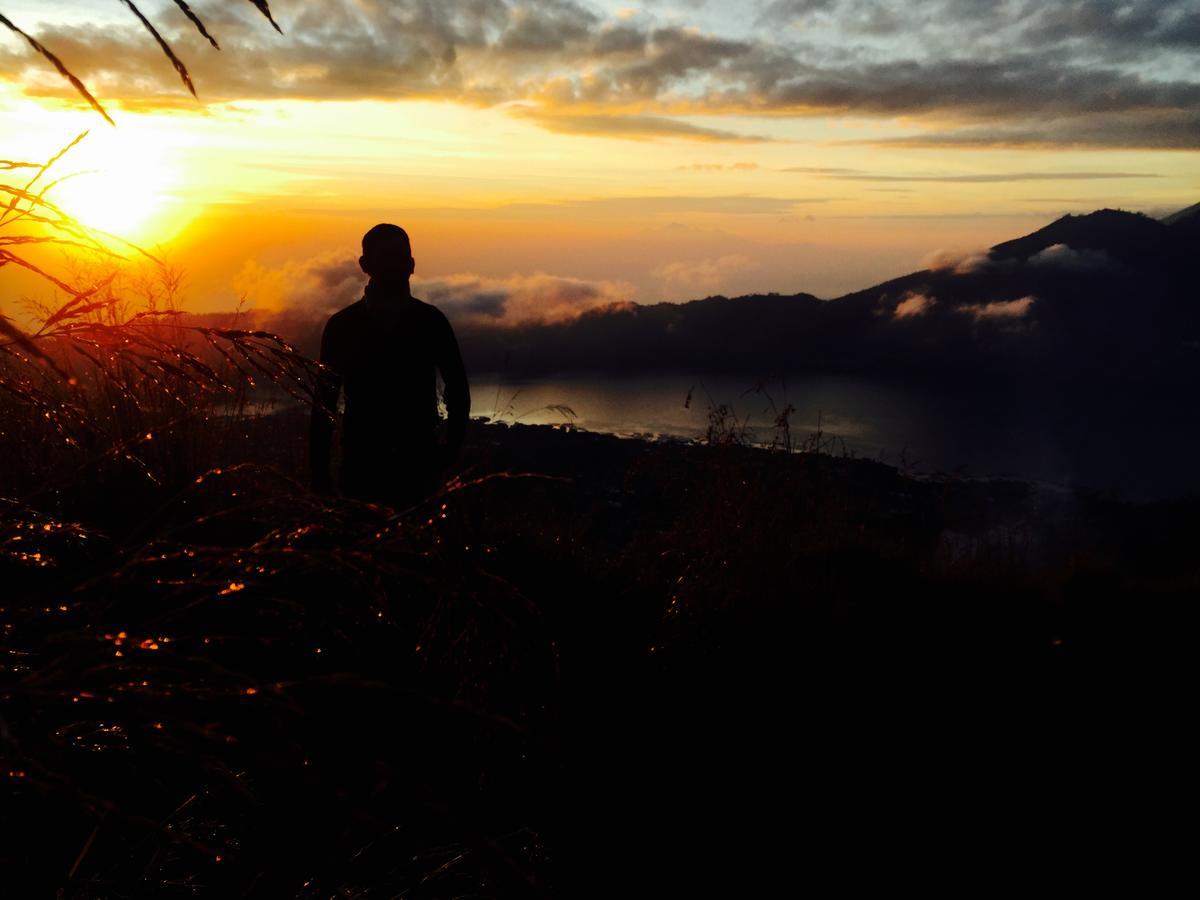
x,y
1103,295
1185,227
1133,238
1191,212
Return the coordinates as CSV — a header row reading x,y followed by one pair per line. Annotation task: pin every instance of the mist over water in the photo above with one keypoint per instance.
x,y
1133,444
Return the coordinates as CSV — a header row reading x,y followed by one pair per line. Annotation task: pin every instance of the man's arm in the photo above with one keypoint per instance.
x,y
458,392
324,413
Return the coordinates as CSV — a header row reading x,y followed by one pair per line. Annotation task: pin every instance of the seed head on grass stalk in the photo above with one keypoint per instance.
x,y
95,374
261,5
40,49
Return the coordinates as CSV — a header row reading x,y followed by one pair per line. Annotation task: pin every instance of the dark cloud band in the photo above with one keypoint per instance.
x,y
1088,73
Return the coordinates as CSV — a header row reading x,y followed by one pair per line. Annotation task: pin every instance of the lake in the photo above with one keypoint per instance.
x,y
1130,443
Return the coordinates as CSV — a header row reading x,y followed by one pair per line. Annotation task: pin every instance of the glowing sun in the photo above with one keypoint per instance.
x,y
119,182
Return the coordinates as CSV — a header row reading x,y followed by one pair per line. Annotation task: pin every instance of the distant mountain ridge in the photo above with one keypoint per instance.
x,y
1086,296
1185,225
1129,237
1190,212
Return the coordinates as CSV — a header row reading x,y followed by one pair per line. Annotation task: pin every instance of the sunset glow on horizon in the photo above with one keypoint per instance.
x,y
659,151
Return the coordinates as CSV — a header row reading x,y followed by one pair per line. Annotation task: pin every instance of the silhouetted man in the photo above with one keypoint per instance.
x,y
385,351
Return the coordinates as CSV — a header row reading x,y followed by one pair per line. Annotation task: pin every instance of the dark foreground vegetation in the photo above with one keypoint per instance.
x,y
588,666
591,665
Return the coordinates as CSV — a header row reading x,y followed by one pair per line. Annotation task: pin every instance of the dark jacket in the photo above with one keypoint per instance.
x,y
386,359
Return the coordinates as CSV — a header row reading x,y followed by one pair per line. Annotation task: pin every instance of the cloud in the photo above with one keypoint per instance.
x,y
820,170
647,207
1060,256
719,167
961,262
1113,28
315,288
1141,129
518,299
1057,256
913,304
321,285
702,274
999,309
539,28
636,127
962,73
974,178
1010,87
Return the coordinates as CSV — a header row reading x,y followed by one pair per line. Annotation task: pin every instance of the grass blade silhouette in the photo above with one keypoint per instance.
x,y
264,8
6,258
58,64
45,167
22,340
18,195
195,20
166,48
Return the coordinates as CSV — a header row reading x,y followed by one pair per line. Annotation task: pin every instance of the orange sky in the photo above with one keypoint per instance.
x,y
669,197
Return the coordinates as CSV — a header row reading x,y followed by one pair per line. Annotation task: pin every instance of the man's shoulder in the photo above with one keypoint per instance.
x,y
347,314
427,309
430,312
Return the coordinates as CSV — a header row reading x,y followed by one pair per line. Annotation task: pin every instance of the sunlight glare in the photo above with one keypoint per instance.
x,y
119,182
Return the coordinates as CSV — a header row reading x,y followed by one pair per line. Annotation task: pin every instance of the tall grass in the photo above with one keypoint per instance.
x,y
111,366
200,660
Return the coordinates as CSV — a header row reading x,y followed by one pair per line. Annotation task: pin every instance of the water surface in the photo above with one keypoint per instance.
x,y
1127,443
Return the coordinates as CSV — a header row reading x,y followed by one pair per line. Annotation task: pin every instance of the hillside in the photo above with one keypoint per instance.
x,y
610,662
1135,239
1185,226
1085,295
1189,214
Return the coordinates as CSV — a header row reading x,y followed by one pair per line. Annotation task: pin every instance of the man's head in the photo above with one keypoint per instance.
x,y
387,253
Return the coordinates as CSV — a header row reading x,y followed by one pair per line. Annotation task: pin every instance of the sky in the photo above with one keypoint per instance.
x,y
586,152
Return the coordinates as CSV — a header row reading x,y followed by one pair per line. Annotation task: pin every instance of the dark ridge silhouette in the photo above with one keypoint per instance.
x,y
1132,238
1185,226
1095,296
1190,213
1107,298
